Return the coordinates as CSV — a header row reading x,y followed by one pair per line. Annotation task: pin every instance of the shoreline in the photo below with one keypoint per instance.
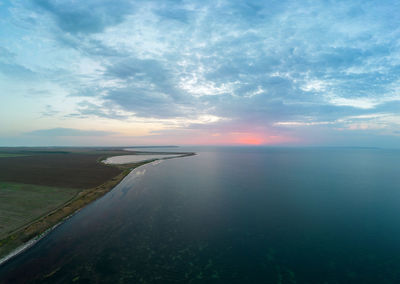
x,y
27,236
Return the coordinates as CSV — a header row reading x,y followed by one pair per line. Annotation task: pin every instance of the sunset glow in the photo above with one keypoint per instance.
x,y
251,141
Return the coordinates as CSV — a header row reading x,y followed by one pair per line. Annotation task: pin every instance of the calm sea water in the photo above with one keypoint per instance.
x,y
234,215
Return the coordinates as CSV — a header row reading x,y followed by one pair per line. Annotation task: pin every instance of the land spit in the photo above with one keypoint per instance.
x,y
81,169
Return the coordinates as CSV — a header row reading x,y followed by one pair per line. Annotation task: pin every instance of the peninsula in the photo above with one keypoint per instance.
x,y
40,187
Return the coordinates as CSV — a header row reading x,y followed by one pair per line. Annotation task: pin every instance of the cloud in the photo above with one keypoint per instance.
x,y
302,123
87,17
264,66
49,111
16,71
363,103
54,132
6,54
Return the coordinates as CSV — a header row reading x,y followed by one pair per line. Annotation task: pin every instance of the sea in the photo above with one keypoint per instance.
x,y
233,215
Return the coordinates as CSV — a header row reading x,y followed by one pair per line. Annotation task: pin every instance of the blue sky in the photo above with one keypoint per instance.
x,y
103,72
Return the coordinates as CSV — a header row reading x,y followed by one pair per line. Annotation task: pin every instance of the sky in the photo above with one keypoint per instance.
x,y
118,73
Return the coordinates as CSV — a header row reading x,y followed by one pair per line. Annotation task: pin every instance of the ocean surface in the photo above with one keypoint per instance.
x,y
233,215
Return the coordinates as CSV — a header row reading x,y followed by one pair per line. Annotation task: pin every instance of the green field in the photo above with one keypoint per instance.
x,y
7,155
23,203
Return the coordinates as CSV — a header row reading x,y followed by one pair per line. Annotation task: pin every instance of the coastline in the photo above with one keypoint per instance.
x,y
28,235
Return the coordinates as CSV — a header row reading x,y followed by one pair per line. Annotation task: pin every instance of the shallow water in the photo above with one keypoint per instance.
x,y
127,159
234,215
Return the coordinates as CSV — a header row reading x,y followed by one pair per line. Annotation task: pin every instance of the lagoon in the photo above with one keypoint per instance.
x,y
137,158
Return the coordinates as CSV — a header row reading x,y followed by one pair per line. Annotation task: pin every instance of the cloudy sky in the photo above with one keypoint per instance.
x,y
108,72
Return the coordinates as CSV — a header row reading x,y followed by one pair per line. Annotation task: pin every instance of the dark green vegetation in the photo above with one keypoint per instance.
x,y
8,155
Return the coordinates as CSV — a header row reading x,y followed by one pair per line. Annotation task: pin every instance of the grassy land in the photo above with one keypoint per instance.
x,y
21,204
9,155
